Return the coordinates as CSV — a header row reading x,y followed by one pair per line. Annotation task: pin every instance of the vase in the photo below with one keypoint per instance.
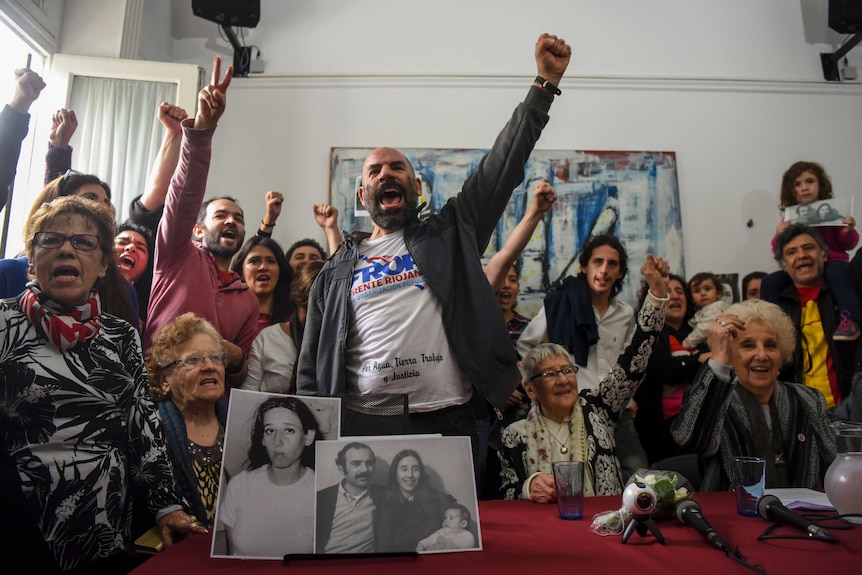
x,y
843,481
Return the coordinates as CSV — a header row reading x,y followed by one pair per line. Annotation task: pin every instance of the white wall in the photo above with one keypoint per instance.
x,y
733,86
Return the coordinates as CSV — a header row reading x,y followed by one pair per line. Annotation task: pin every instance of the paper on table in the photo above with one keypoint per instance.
x,y
801,498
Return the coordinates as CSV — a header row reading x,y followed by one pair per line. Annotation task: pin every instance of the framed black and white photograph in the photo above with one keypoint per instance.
x,y
396,494
266,492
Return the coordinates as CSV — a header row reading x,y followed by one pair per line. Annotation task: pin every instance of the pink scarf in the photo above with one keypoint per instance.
x,y
65,328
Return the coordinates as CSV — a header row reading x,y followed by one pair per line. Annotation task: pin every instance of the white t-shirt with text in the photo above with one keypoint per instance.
x,y
397,342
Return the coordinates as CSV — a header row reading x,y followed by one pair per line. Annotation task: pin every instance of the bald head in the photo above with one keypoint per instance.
x,y
390,190
384,156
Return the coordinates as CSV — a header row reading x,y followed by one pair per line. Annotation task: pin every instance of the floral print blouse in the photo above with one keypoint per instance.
x,y
80,426
601,407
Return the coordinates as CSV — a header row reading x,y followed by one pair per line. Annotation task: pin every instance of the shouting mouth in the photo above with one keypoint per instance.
x,y
66,274
126,263
391,196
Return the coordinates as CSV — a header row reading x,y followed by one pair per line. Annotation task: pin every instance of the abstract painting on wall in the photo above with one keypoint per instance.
x,y
633,195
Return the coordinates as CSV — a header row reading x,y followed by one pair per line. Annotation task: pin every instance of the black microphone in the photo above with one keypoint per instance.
x,y
770,508
690,513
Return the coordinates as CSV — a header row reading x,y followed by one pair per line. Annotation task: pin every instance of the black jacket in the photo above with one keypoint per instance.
x,y
846,355
446,246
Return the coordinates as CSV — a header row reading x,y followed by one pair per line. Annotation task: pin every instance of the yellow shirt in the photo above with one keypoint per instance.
x,y
816,352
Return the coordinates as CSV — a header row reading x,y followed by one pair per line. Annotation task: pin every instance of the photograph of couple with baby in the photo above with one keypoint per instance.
x,y
393,494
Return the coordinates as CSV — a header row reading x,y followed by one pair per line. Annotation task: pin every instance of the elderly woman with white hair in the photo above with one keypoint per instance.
x,y
737,407
565,424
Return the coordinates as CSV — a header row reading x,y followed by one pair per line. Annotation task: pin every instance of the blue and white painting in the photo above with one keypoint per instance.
x,y
633,195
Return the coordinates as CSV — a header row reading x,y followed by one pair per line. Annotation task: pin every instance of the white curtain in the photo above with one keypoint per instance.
x,y
118,134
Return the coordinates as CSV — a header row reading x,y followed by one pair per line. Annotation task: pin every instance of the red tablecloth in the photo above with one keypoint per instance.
x,y
527,539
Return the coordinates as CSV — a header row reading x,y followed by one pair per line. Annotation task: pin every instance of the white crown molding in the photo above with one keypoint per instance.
x,y
277,81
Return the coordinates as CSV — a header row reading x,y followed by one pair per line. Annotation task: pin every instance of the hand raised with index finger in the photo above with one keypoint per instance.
x,y
212,99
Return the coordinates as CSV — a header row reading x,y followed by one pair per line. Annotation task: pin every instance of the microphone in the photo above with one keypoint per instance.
x,y
690,513
770,508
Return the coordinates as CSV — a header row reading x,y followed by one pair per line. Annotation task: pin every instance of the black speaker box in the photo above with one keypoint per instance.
x,y
845,16
243,13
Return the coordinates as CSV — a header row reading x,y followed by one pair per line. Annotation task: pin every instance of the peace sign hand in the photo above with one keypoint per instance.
x,y
212,98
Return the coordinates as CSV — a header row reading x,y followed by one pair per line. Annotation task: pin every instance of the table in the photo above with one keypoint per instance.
x,y
526,538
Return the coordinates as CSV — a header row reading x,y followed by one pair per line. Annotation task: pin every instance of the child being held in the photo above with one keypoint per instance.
x,y
454,533
706,291
802,184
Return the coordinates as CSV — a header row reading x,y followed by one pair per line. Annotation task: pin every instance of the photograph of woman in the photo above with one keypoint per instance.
x,y
411,509
266,509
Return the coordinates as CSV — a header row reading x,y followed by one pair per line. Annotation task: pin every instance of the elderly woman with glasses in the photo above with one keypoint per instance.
x,y
186,365
567,425
77,426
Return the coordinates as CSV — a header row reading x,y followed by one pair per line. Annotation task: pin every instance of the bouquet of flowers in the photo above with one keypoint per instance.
x,y
670,488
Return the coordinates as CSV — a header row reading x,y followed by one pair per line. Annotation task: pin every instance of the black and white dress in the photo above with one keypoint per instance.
x,y
80,427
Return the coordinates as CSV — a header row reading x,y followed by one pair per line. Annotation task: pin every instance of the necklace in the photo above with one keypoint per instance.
x,y
564,445
207,455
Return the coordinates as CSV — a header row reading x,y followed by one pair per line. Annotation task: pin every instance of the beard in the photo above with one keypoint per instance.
x,y
394,218
211,241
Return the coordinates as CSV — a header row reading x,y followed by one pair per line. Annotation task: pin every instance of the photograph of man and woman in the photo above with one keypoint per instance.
x,y
829,212
266,493
396,494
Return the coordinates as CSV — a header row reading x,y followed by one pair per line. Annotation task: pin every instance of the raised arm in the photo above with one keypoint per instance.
x,y
487,191
58,159
622,381
188,183
544,197
699,423
171,118
326,217
274,200
14,121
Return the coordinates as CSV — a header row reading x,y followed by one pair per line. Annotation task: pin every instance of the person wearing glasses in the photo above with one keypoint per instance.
x,y
121,302
186,367
568,424
78,426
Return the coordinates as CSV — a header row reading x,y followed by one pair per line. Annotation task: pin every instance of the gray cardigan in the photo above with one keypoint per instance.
x,y
714,421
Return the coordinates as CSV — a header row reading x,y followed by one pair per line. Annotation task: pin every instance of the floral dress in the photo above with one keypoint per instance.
x,y
600,406
80,426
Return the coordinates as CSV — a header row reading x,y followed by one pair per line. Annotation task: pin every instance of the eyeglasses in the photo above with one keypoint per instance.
x,y
198,360
550,375
55,240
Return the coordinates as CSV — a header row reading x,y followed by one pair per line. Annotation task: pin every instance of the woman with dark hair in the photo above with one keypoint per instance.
x,y
410,509
670,371
275,351
74,183
268,509
751,285
262,265
303,251
135,249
